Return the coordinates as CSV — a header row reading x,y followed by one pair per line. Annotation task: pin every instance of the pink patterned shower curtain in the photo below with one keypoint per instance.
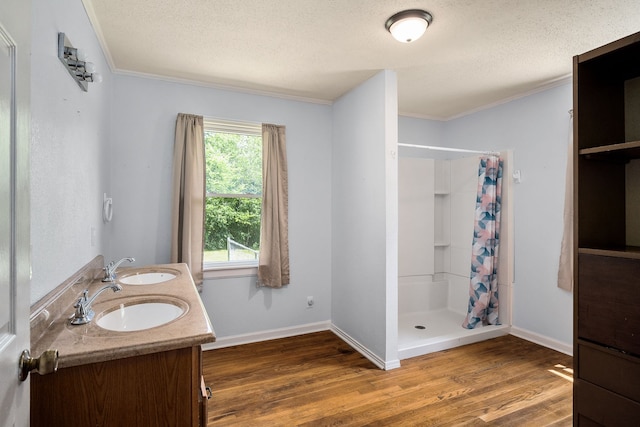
x,y
483,286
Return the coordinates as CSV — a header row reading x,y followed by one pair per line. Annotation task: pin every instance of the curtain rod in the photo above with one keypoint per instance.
x,y
457,150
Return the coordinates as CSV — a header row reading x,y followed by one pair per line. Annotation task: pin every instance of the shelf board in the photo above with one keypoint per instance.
x,y
629,149
632,252
440,244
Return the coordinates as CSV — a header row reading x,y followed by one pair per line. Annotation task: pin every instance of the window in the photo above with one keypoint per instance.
x,y
233,173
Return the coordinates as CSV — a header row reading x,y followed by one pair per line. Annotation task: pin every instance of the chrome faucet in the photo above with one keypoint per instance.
x,y
84,313
110,269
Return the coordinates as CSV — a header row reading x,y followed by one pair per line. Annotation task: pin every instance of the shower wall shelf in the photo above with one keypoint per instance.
x,y
606,106
442,210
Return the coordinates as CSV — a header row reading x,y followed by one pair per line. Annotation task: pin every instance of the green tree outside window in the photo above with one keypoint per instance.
x,y
234,196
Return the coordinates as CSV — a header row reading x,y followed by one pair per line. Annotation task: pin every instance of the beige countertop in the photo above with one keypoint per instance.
x,y
83,344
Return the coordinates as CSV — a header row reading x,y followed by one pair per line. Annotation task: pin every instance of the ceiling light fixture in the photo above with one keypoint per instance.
x,y
408,25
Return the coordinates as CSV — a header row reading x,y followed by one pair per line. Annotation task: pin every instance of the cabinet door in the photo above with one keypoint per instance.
x,y
149,390
596,406
610,369
608,298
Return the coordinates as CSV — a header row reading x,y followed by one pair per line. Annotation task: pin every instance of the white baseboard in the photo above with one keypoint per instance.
x,y
542,340
309,328
270,334
484,333
365,351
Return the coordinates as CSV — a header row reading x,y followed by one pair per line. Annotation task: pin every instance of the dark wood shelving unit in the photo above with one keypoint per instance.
x,y
607,256
615,152
632,252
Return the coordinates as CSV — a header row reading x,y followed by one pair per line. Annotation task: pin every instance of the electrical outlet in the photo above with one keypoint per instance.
x,y
310,302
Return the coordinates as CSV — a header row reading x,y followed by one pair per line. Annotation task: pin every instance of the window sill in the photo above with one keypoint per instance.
x,y
224,272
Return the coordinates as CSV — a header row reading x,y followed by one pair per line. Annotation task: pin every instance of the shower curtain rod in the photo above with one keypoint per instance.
x,y
457,150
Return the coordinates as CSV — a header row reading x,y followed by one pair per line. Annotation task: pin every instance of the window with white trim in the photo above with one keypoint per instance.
x,y
233,174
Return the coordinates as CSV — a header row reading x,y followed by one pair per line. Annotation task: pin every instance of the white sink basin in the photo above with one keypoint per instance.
x,y
147,278
141,315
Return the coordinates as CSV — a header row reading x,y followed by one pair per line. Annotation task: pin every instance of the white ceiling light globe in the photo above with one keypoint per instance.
x,y
408,29
408,25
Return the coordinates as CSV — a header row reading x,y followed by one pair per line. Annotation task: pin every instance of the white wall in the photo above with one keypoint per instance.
x,y
416,216
144,114
464,189
70,152
420,132
364,203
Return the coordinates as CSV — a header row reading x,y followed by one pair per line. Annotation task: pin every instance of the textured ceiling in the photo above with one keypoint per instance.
x,y
476,53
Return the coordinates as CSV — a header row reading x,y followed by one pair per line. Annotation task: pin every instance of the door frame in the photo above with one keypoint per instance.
x,y
15,20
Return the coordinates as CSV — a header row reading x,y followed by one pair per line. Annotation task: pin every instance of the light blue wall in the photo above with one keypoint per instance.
x,y
537,129
421,132
144,114
360,237
70,155
118,137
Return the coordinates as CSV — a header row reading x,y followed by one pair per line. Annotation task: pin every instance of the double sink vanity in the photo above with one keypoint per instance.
x,y
135,359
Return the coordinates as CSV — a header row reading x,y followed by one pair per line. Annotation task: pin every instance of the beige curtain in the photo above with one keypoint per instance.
x,y
187,234
273,267
565,270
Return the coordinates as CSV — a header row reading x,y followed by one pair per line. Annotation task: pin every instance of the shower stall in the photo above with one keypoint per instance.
x,y
437,192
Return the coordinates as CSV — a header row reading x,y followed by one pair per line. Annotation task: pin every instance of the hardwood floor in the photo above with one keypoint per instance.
x,y
318,380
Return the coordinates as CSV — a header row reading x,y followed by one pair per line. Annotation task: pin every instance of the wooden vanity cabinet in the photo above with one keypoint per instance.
x,y
158,389
607,235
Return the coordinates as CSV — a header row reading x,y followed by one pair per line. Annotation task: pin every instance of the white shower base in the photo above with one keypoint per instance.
x,y
442,330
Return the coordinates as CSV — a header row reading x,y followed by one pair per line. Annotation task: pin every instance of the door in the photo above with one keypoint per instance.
x,y
15,76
